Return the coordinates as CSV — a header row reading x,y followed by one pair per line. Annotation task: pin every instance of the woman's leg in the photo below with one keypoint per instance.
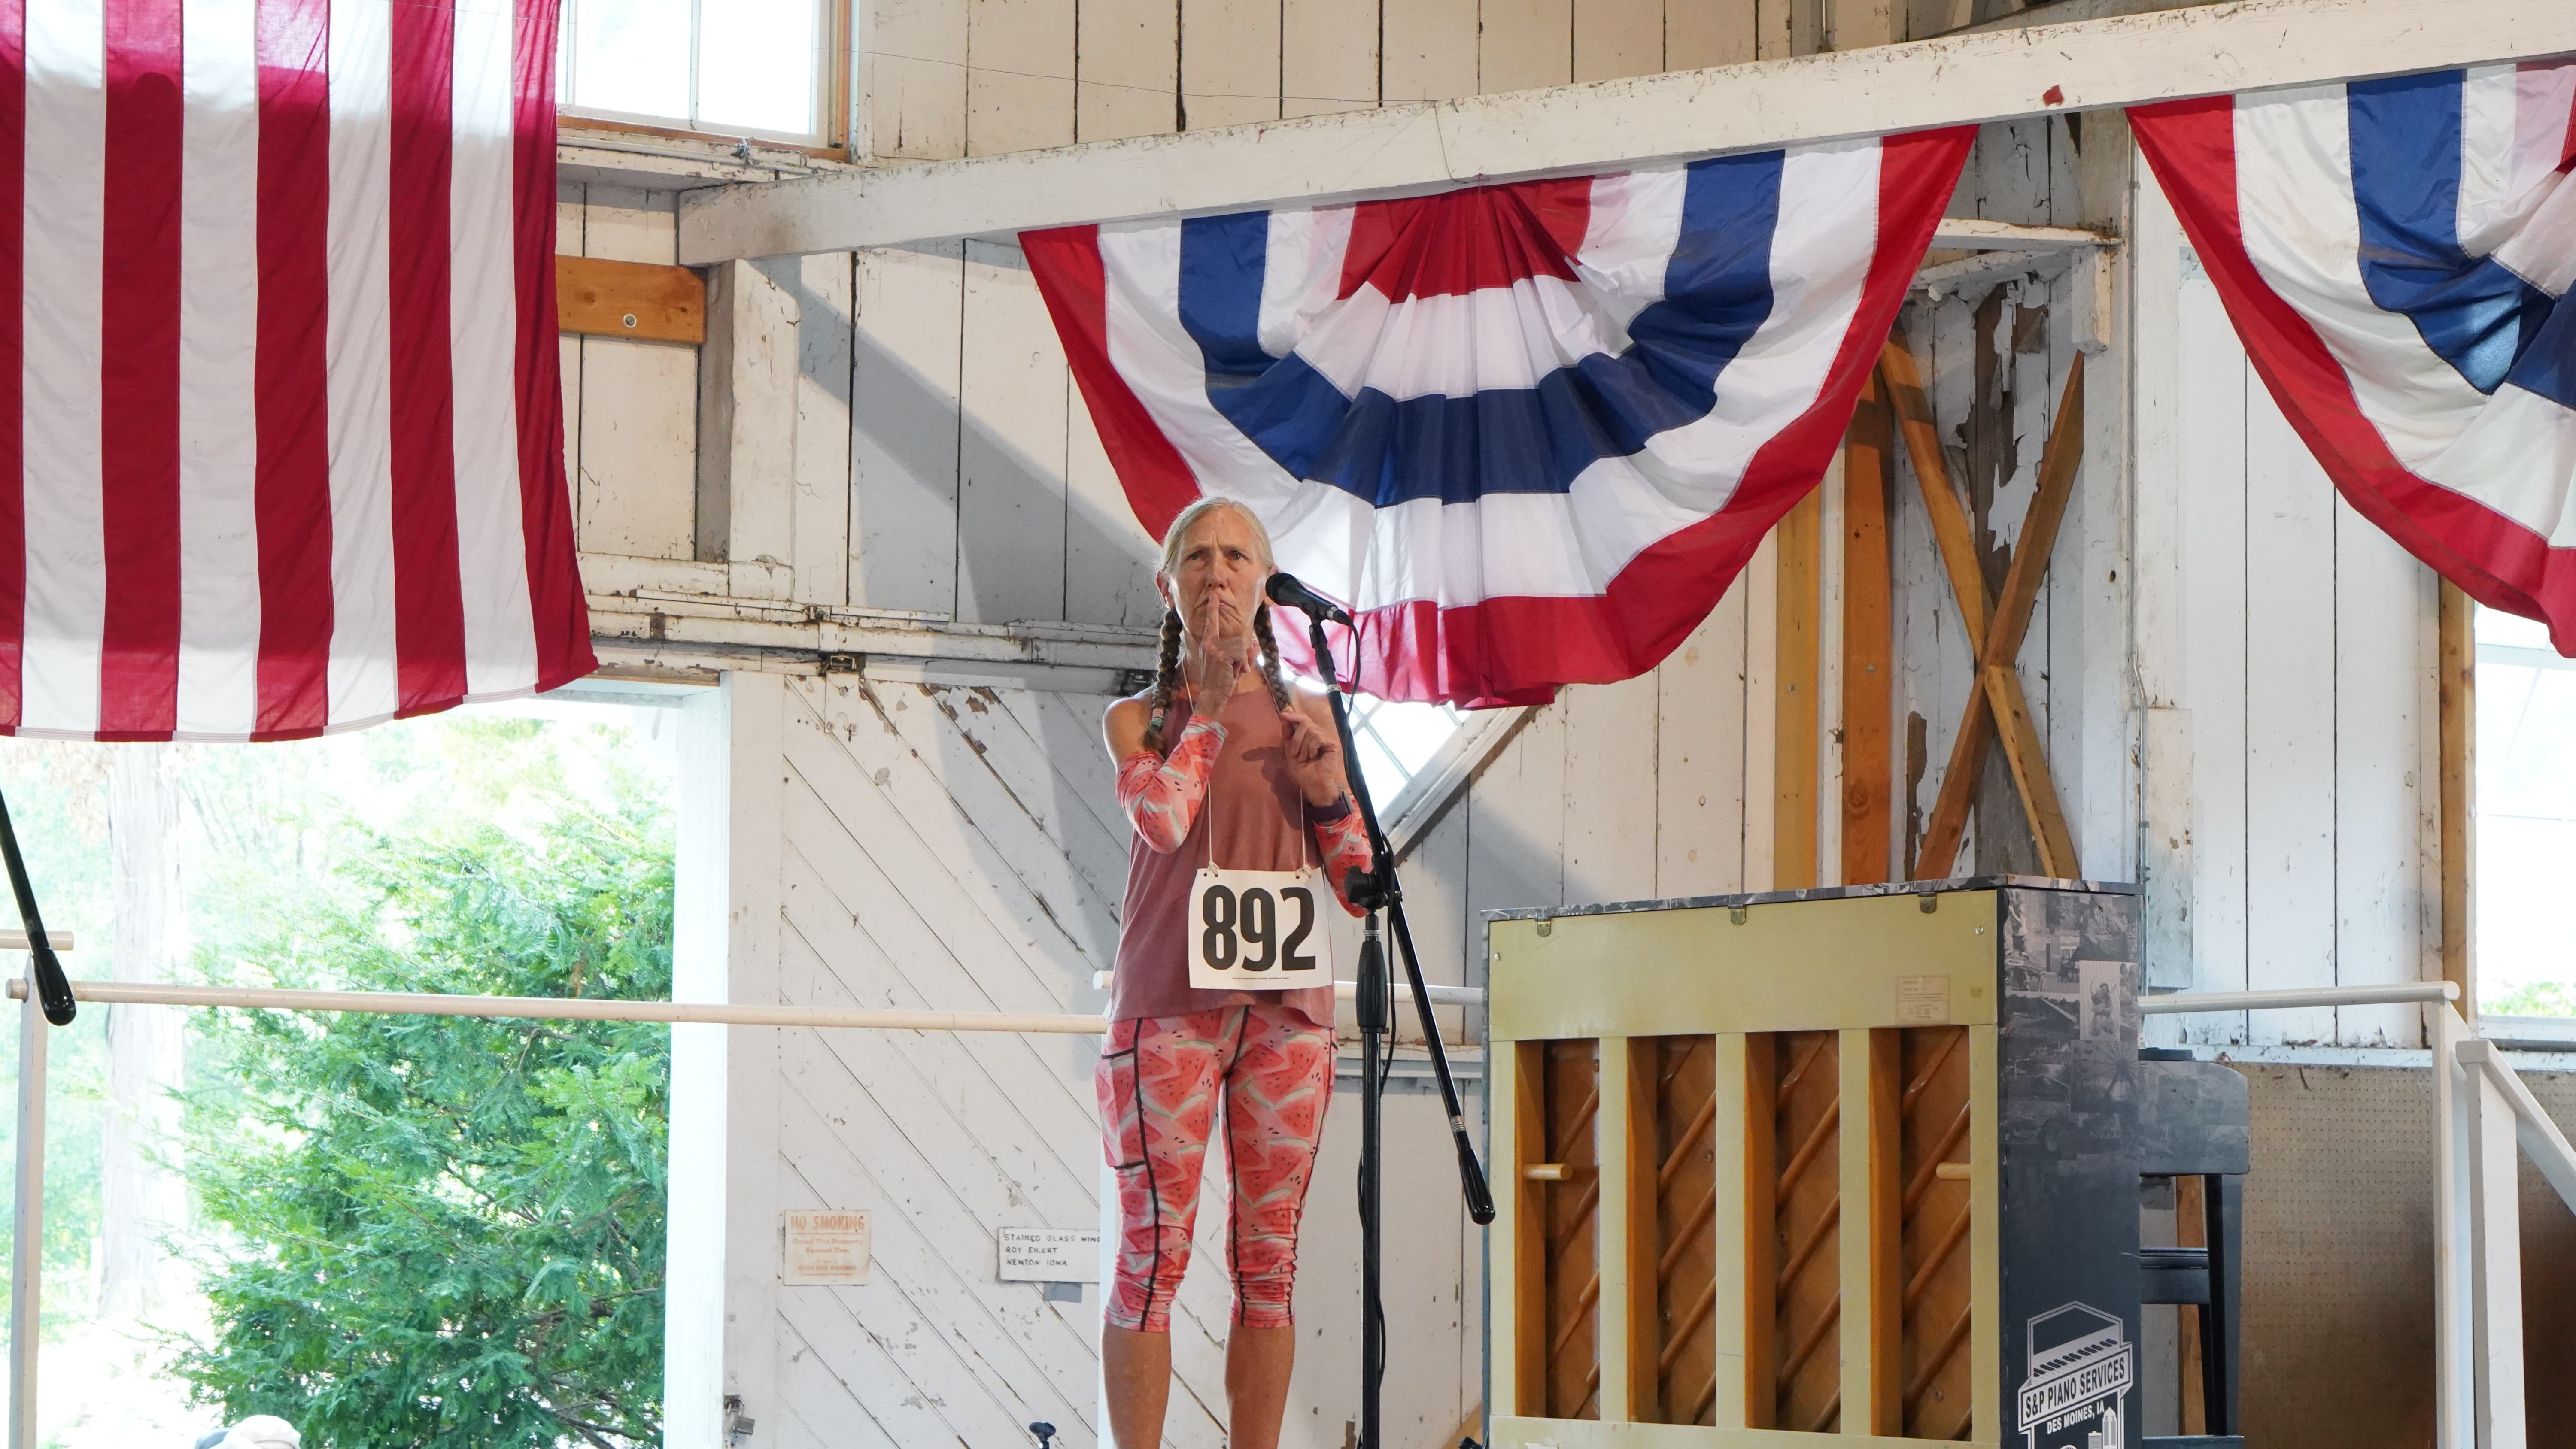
x,y
1136,1370
1276,1088
1157,1083
1257,1361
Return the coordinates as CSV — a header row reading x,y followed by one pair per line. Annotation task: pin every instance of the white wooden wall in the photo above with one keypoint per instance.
x,y
980,491
949,78
630,408
958,848
917,447
2231,670
2074,660
2287,669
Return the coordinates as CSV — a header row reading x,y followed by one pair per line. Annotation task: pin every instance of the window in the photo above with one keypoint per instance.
x,y
1397,743
520,848
2526,804
729,67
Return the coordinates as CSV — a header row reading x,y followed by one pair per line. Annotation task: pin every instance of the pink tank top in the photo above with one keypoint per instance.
x,y
1260,821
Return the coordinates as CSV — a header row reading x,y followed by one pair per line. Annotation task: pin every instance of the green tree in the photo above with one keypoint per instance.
x,y
56,793
441,1232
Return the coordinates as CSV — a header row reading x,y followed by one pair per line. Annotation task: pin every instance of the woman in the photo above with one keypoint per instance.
x,y
1218,764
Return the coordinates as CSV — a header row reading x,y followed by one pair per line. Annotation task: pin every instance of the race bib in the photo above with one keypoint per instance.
x,y
1261,930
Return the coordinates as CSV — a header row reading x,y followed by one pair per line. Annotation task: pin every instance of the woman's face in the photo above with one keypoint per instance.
x,y
1220,577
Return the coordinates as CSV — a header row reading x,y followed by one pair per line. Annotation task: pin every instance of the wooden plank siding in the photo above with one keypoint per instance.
x,y
630,406
2290,654
1995,359
1129,87
1011,497
951,78
954,848
931,454
2223,657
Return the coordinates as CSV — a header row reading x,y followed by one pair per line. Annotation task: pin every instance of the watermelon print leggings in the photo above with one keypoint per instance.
x,y
1161,1082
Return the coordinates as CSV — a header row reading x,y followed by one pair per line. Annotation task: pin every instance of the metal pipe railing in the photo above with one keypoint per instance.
x,y
2536,1132
563,1008
1350,990
2184,1003
2451,1034
27,1246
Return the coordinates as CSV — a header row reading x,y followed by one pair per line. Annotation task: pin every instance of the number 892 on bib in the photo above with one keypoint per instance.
x,y
1259,930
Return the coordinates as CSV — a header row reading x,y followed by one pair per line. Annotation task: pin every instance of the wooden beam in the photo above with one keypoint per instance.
x,y
2459,801
1885,1259
1868,654
2059,12
1635,121
1950,530
1794,751
599,298
1997,700
1975,234
1761,1223
2058,461
639,617
2028,758
1948,825
1952,535
1632,1321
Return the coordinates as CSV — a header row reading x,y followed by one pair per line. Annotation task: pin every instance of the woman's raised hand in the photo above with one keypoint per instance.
x,y
1219,648
1314,759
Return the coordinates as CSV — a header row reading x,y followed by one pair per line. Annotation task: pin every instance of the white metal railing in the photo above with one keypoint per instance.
x,y
26,1287
33,1036
1350,990
26,1248
2485,1116
560,1008
2489,1121
2184,1003
2485,1122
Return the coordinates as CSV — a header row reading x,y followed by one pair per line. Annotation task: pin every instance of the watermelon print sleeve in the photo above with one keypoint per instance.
x,y
1343,841
1161,795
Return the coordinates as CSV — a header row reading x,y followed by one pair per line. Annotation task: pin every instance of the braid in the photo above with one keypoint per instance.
x,y
1269,656
1164,674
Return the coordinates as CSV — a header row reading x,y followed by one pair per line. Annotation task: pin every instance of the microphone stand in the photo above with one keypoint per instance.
x,y
1380,891
51,987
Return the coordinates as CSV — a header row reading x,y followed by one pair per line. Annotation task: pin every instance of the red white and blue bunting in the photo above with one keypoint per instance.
x,y
1531,432
2395,254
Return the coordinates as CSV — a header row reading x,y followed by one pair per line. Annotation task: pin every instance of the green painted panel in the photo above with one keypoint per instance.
x,y
1811,965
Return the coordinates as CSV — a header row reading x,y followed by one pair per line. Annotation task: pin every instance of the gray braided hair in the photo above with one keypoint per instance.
x,y
1166,674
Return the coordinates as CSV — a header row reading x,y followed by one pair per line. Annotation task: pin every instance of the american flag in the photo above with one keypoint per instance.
x,y
280,425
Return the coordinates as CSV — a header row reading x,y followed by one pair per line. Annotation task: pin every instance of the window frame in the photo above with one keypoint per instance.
x,y
835,99
1416,777
2558,1032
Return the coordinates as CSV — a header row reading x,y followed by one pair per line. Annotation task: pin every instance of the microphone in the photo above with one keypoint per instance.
x,y
1284,589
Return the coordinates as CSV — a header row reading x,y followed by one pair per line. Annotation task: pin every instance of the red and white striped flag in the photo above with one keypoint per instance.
x,y
280,427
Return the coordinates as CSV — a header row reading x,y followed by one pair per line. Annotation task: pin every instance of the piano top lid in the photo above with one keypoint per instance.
x,y
1821,893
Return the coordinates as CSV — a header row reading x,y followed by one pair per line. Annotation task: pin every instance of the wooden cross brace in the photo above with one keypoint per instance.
x,y
1995,629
